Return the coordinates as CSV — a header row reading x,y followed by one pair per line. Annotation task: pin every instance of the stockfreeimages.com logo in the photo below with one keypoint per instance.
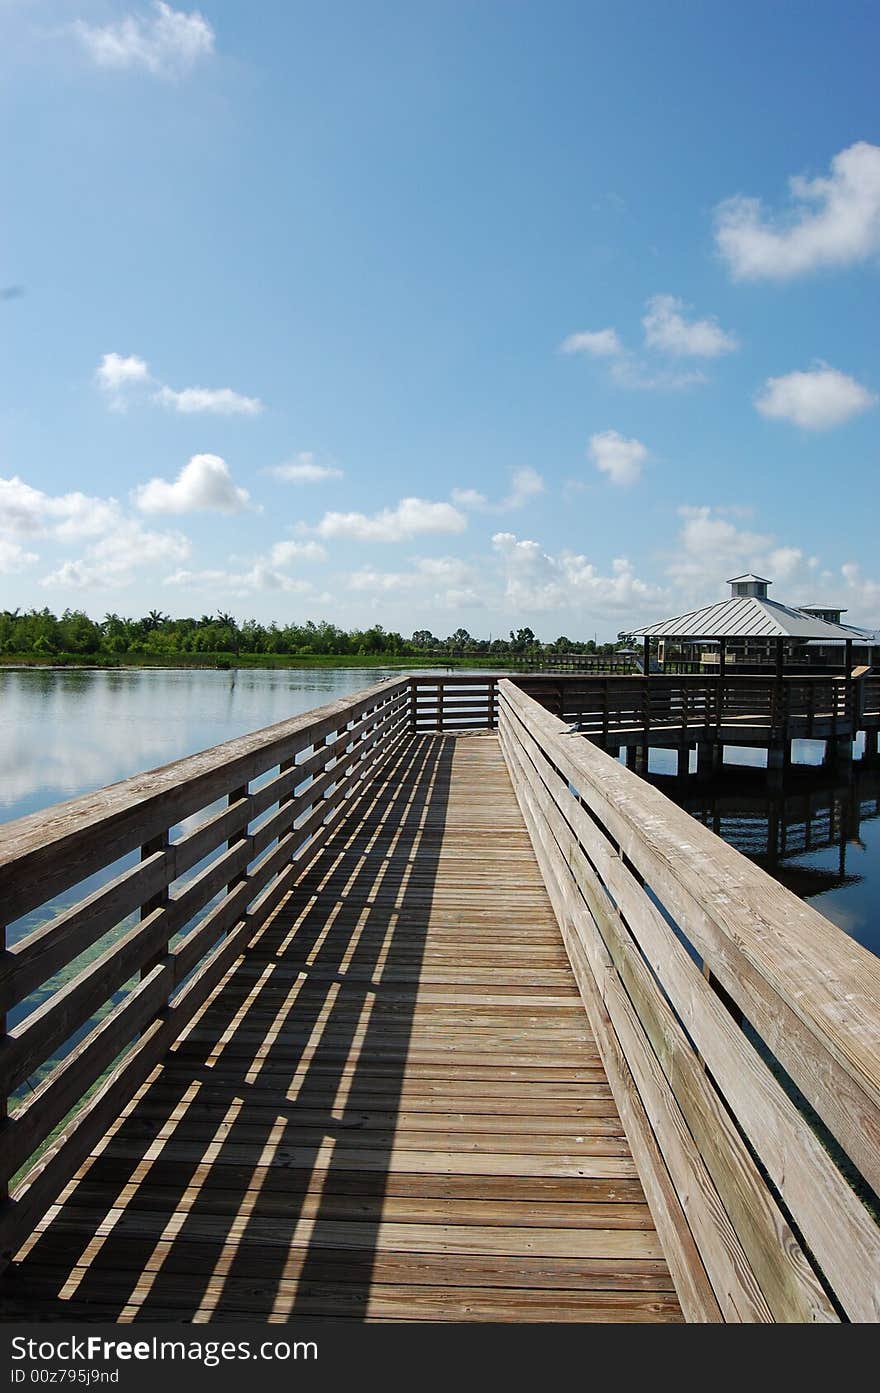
x,y
93,1349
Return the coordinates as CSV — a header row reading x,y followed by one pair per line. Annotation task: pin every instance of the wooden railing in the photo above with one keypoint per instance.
x,y
453,702
798,705
201,851
706,982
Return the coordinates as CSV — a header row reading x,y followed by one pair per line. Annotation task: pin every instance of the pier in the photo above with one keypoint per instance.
x,y
423,1006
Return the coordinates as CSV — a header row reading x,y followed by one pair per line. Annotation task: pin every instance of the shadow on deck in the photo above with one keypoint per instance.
x,y
392,1107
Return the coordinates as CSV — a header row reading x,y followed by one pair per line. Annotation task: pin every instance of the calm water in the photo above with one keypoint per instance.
x,y
64,732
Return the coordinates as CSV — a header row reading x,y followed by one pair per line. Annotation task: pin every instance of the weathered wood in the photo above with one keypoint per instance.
x,y
44,853
758,939
435,1132
835,1223
790,1286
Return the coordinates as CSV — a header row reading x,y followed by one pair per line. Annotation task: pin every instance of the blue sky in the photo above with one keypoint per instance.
x,y
438,314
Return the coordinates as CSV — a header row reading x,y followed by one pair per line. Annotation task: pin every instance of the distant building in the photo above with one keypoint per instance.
x,y
750,630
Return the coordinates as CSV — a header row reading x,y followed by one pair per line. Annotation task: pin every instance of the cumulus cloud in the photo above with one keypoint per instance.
x,y
166,42
471,498
410,518
258,577
115,374
27,511
445,582
204,484
537,581
597,343
835,221
525,483
283,553
618,457
710,548
304,469
816,399
219,401
862,593
14,558
667,329
114,559
121,377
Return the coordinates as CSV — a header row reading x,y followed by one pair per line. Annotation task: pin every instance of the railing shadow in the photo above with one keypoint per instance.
x,y
250,1178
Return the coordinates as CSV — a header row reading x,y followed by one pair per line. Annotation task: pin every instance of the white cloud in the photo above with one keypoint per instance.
x,y
411,517
816,400
283,553
26,511
637,377
598,343
203,484
835,222
667,329
118,377
525,483
710,548
14,558
167,43
218,401
115,375
261,576
443,582
304,469
536,581
621,459
471,498
114,559
862,593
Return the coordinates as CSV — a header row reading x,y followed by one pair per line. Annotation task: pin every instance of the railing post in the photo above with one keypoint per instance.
x,y
413,703
157,901
234,795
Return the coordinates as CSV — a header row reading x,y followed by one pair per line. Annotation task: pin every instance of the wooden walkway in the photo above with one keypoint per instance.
x,y
391,1109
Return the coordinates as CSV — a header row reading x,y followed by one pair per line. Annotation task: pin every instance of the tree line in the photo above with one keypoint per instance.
x,y
42,634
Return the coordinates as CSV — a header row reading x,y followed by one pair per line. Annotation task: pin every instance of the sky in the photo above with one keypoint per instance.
x,y
445,314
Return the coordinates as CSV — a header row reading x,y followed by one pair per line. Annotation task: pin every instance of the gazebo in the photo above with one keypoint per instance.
x,y
749,615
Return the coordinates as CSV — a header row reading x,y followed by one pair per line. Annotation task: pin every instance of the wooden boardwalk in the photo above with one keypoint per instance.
x,y
392,1108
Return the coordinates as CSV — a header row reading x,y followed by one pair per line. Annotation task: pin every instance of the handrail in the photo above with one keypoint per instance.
x,y
178,917
687,706
669,931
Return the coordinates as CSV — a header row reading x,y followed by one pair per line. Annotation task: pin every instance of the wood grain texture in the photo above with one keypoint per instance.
x,y
595,827
388,1106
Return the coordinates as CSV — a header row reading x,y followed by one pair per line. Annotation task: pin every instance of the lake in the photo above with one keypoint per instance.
x,y
67,731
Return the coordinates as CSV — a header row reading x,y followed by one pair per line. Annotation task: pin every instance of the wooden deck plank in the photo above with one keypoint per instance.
x,y
392,1109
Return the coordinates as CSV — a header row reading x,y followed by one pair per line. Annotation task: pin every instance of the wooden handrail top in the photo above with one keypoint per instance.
x,y
824,976
129,812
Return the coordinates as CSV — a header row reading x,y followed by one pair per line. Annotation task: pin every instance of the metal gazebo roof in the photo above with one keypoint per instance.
x,y
746,616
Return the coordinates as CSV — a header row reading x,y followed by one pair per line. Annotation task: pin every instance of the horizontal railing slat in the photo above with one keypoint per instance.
x,y
45,853
794,1156
627,832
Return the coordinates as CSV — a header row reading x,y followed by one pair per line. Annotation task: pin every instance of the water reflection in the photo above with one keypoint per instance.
x,y
68,731
817,833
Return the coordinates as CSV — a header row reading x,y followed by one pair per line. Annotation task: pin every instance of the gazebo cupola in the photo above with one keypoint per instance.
x,y
754,586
